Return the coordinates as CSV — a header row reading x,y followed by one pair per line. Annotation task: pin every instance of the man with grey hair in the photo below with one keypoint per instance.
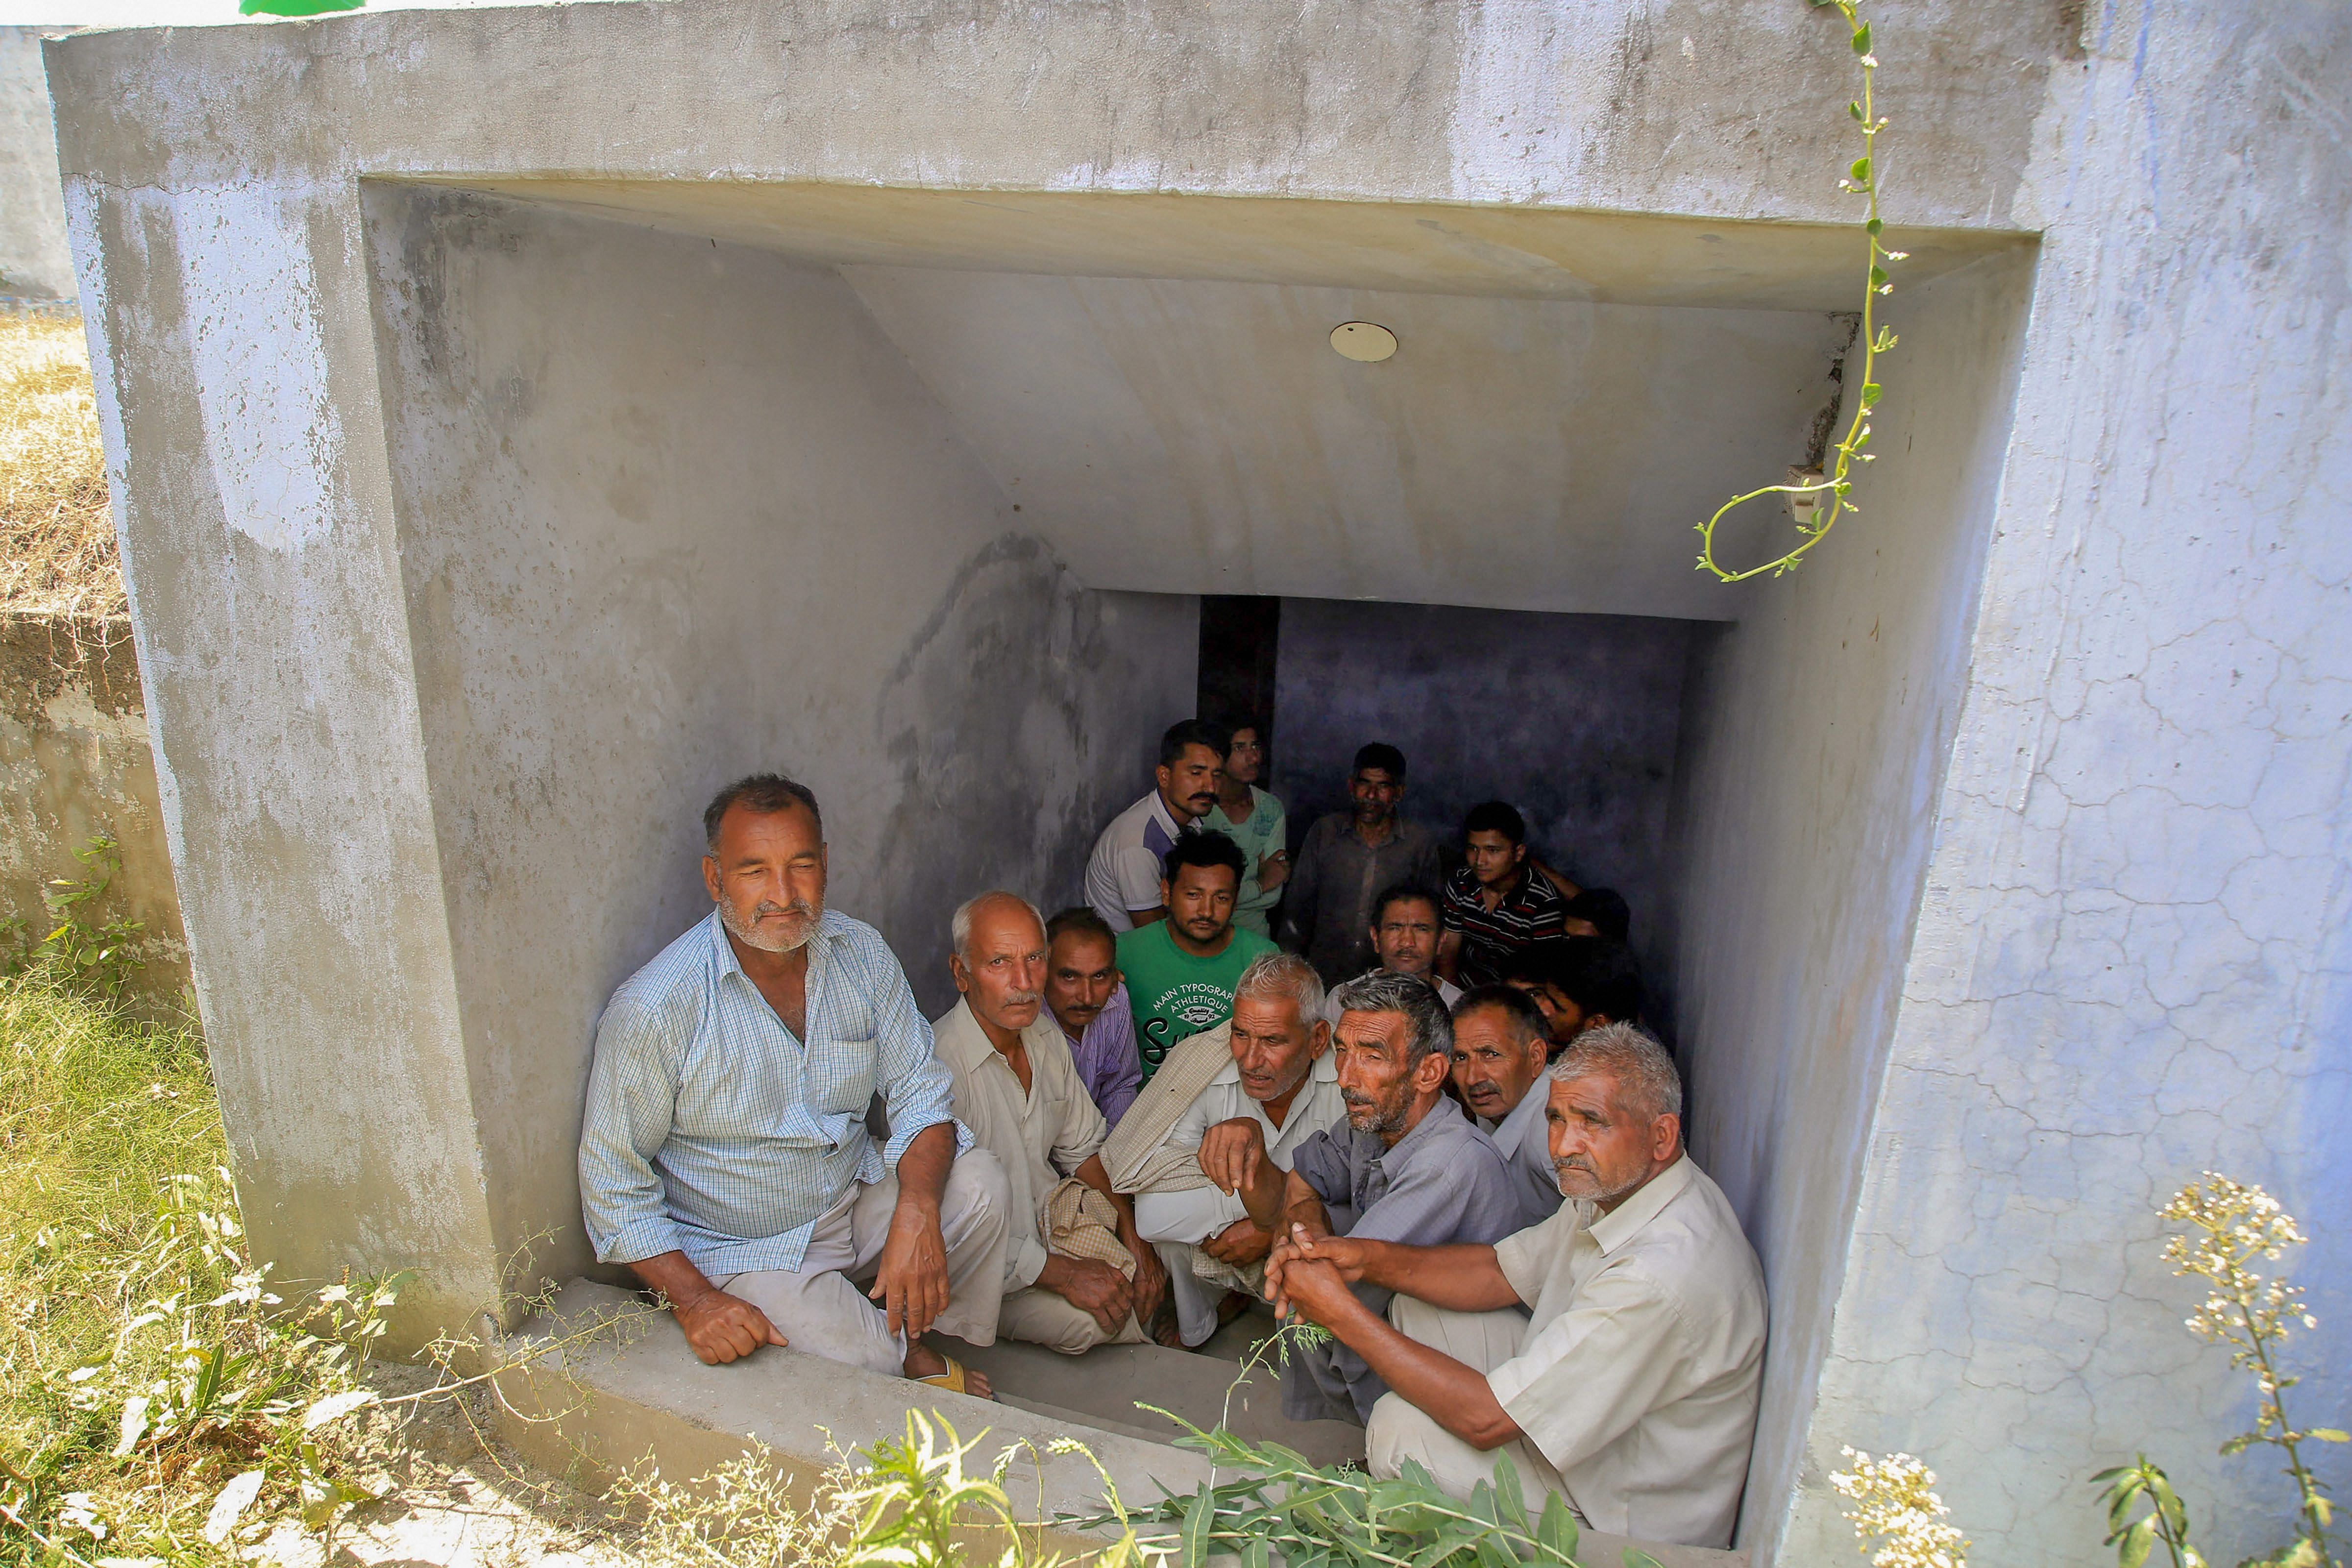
x,y
1077,1273
1228,1106
1632,1389
1408,1167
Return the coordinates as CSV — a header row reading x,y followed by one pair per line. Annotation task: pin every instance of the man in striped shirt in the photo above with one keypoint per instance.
x,y
1494,903
725,1157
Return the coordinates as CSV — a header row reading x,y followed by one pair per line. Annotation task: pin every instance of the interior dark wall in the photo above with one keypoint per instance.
x,y
1573,719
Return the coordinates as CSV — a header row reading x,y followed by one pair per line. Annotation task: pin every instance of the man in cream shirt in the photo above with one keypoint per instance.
x,y
1632,1389
1076,1274
1254,1086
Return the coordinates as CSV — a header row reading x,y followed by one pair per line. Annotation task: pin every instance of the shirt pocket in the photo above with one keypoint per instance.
x,y
841,1078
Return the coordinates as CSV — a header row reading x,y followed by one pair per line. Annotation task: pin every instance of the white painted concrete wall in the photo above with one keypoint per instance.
x,y
1818,730
673,512
35,260
2130,964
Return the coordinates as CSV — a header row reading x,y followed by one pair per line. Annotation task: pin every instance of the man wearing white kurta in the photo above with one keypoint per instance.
x,y
1270,1067
1076,1274
1632,1389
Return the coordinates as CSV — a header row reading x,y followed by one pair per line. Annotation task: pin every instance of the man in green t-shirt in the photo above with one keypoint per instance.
x,y
1180,970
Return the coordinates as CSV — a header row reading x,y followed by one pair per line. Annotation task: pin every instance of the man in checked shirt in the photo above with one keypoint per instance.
x,y
725,1157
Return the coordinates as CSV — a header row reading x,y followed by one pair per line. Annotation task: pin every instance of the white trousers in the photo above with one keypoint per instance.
x,y
1399,1431
820,1307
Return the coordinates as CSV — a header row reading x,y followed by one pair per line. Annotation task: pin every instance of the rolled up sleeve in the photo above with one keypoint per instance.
x,y
631,1098
917,1091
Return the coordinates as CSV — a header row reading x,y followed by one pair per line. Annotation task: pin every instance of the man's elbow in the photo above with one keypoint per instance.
x,y
1486,1430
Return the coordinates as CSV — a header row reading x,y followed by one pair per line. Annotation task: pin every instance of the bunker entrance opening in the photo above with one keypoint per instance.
x,y
934,497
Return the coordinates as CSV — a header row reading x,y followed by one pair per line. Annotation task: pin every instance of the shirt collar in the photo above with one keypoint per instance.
x,y
1614,1230
1433,1124
1530,1108
958,1031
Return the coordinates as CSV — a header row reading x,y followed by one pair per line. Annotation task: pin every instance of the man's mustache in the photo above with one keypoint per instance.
x,y
800,907
1022,998
1357,1096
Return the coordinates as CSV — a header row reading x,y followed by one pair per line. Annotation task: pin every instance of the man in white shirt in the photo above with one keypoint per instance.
x,y
1123,873
1632,1389
1262,1080
1500,1049
1076,1274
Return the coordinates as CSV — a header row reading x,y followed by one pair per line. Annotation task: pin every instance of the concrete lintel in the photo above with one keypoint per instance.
x,y
635,1395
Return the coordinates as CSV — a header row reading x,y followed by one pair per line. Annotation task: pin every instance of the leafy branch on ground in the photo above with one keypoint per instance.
x,y
1820,500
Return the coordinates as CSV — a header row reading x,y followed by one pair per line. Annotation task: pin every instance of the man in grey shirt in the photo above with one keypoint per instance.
x,y
1348,858
1408,1167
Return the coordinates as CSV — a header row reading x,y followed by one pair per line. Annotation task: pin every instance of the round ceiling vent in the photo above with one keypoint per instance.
x,y
1365,342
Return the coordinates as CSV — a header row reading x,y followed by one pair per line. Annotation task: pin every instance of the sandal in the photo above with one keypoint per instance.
x,y
952,1380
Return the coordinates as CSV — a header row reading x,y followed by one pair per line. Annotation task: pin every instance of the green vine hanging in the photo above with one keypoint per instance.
x,y
1831,490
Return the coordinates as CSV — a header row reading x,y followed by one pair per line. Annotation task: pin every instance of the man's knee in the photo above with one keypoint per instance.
x,y
977,1195
1400,1430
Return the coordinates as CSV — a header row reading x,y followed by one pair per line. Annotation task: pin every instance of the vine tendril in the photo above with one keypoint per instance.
x,y
1833,487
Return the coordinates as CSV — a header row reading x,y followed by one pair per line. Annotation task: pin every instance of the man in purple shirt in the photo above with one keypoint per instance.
x,y
1087,999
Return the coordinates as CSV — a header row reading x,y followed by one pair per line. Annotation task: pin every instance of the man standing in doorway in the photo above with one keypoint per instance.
x,y
1180,971
1347,860
725,1157
1254,819
1494,905
1122,881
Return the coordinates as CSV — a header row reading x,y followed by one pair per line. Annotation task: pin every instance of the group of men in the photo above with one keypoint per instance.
x,y
1142,1118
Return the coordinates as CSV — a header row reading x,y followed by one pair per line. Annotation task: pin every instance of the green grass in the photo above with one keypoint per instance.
x,y
99,1112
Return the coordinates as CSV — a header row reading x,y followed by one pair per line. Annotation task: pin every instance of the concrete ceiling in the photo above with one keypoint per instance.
x,y
1150,376
1422,248
1204,438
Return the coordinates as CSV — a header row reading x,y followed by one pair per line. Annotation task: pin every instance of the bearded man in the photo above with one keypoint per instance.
x,y
1406,1166
725,1157
1613,1354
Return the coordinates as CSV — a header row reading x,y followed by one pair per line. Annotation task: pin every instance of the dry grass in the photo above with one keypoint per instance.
x,y
56,536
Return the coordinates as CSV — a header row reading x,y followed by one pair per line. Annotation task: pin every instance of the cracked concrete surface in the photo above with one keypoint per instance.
x,y
2130,959
2044,903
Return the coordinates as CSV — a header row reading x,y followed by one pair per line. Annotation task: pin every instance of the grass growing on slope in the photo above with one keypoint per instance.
x,y
157,1400
56,538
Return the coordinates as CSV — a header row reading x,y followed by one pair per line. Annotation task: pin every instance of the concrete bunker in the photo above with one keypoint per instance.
x,y
918,493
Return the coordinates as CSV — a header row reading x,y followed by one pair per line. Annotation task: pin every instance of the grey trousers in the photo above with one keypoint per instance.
x,y
820,1308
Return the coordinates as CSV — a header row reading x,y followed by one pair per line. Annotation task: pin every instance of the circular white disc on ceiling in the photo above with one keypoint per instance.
x,y
1363,341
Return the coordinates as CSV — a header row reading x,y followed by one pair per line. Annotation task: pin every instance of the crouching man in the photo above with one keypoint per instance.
x,y
1268,1068
725,1157
1075,1272
1407,1166
1632,1389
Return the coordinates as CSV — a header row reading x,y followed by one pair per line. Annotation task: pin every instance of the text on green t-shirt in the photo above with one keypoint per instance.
x,y
1176,994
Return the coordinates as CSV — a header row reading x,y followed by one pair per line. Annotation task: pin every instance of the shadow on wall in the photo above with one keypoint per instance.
x,y
1010,724
1573,719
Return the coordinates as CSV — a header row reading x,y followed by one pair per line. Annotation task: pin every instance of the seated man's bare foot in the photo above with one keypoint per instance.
x,y
1234,1304
924,1362
1164,1329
